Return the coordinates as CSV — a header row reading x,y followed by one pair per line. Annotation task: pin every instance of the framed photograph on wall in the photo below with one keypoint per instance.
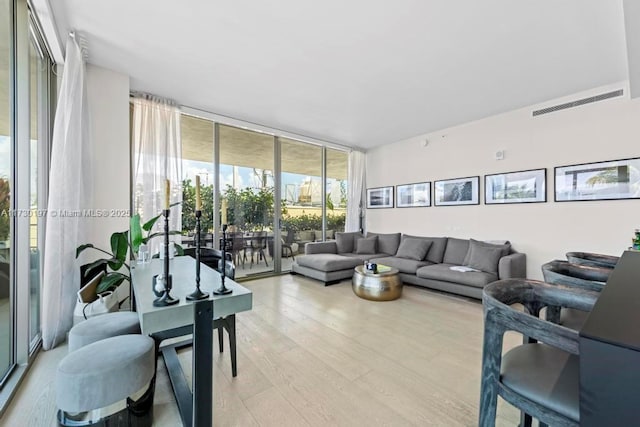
x,y
459,191
413,195
610,180
381,197
516,187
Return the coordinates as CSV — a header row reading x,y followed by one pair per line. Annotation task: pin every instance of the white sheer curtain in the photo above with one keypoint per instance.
x,y
356,180
157,156
69,185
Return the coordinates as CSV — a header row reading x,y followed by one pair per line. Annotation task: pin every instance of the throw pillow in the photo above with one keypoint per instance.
x,y
505,247
483,257
387,243
345,241
413,248
366,246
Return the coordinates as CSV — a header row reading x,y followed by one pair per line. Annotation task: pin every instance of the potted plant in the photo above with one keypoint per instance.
x,y
121,243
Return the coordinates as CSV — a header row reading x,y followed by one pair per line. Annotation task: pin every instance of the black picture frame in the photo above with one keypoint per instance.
x,y
457,191
415,195
380,197
606,180
527,186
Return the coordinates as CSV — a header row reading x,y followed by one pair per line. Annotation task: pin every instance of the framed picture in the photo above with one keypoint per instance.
x,y
413,195
459,191
516,187
610,180
381,197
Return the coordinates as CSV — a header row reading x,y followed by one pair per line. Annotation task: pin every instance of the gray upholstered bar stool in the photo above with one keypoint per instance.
x,y
103,326
593,260
108,383
540,377
581,276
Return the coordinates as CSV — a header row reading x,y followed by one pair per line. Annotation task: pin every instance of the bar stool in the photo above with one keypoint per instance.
x,y
108,382
103,326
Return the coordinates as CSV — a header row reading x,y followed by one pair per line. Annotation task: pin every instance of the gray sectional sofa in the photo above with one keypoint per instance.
x,y
422,261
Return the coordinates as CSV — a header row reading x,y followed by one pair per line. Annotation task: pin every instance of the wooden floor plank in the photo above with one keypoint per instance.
x,y
317,356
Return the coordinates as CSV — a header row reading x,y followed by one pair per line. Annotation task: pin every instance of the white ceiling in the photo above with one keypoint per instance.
x,y
359,72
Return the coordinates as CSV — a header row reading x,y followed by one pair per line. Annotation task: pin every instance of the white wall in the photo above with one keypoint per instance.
x,y
605,130
108,98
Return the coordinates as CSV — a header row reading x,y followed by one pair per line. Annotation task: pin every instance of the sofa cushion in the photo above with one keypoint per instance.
x,y
456,251
484,257
412,248
327,262
364,257
436,251
346,241
387,243
366,246
319,248
443,272
408,266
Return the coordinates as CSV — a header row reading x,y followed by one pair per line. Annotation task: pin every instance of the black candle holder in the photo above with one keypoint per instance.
x,y
223,290
197,295
164,297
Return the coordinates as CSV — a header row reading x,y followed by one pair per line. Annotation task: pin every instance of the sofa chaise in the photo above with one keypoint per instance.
x,y
422,261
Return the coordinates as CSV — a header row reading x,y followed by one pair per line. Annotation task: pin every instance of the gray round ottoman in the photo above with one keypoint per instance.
x,y
103,326
109,381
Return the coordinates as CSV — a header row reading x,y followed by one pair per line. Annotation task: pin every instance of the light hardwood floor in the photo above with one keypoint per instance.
x,y
310,355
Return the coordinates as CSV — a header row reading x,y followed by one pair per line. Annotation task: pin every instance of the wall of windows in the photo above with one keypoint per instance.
x,y
262,180
25,99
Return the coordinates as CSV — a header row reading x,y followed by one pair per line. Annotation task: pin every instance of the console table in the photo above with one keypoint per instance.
x,y
610,350
184,318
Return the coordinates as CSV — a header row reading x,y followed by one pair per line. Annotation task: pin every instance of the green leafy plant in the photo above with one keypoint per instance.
x,y
121,243
189,207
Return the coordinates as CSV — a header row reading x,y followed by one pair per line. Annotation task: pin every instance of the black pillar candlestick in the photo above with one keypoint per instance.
x,y
223,290
197,294
165,297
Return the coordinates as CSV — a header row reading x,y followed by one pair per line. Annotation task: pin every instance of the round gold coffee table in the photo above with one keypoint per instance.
x,y
384,286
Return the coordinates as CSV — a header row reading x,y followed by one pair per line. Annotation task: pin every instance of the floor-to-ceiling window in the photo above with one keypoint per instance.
x,y
246,181
337,172
197,161
39,124
250,167
6,323
301,194
25,99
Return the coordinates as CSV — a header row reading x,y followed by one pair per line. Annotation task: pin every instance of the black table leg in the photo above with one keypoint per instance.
x,y
203,364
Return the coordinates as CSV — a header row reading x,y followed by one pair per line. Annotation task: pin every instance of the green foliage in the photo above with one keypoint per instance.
x,y
343,194
250,209
121,243
314,222
189,207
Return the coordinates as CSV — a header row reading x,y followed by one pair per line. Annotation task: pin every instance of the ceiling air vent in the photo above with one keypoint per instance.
x,y
579,102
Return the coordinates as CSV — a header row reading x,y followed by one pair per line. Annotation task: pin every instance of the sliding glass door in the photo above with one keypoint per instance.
x,y
39,125
246,182
301,193
25,99
250,166
6,150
